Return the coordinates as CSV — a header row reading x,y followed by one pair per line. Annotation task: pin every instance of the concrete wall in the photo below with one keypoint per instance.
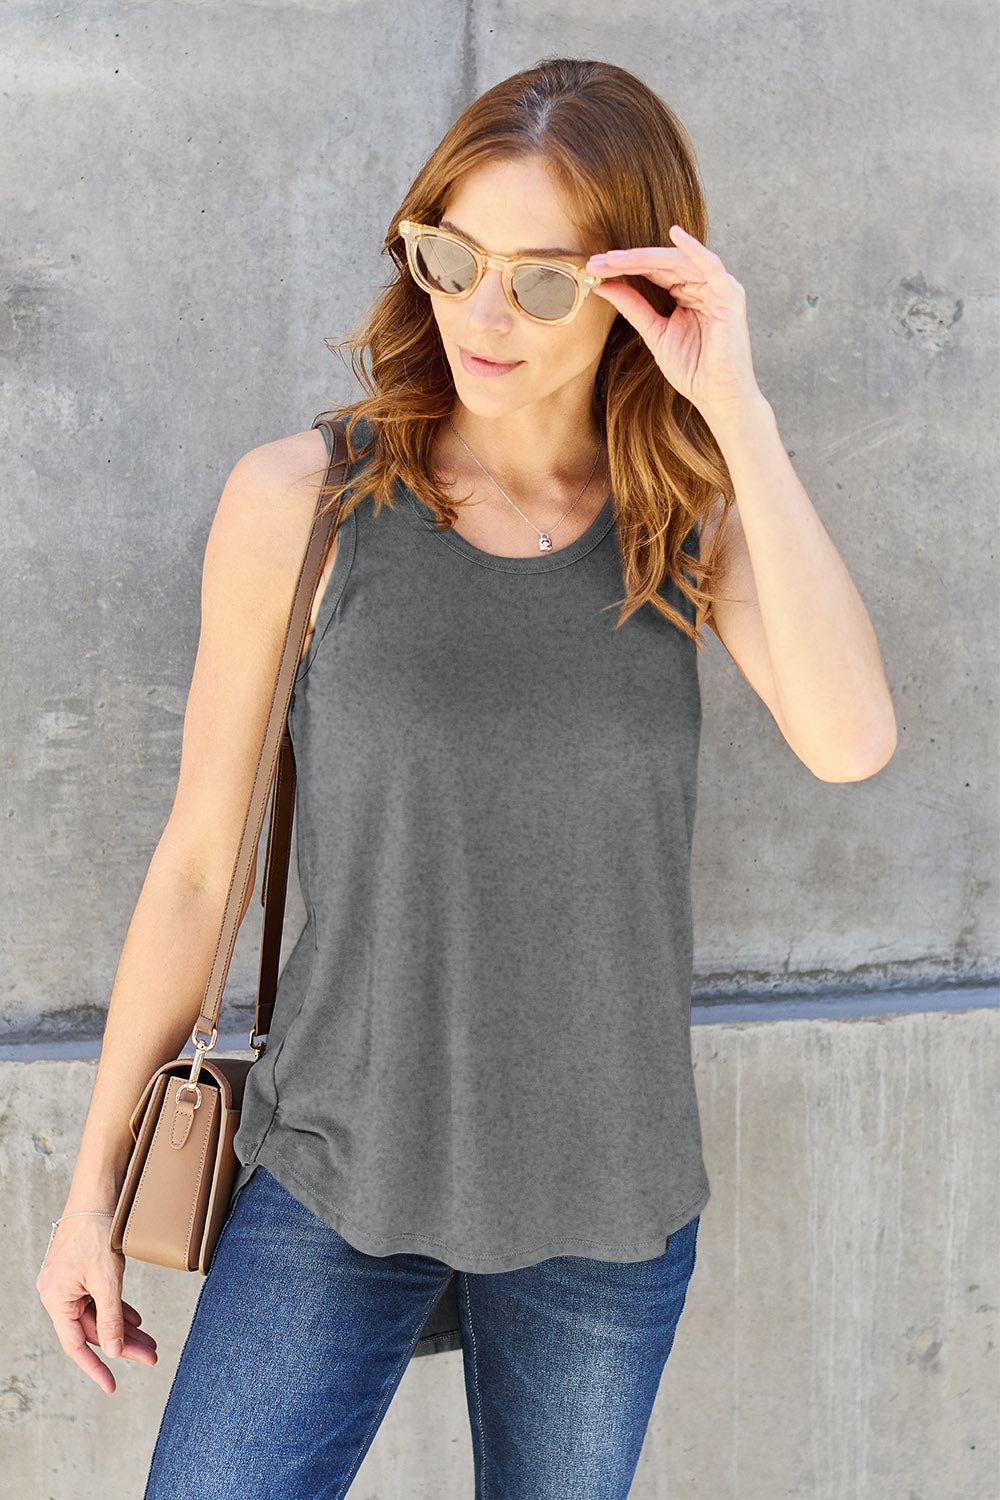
x,y
197,196
839,1340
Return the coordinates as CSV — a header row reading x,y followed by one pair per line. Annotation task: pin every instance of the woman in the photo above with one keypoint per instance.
x,y
479,1075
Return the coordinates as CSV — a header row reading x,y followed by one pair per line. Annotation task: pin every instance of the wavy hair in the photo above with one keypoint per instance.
x,y
629,171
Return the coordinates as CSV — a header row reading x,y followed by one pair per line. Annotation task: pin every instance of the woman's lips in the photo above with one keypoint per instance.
x,y
477,366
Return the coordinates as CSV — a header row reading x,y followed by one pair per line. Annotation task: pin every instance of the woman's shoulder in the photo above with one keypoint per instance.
x,y
265,513
286,464
272,483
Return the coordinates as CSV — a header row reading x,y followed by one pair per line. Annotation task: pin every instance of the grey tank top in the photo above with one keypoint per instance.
x,y
481,1049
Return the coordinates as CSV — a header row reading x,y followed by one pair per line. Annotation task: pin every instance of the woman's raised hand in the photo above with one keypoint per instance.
x,y
703,347
80,1287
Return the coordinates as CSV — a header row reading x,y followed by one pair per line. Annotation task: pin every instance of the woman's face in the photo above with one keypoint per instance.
x,y
509,208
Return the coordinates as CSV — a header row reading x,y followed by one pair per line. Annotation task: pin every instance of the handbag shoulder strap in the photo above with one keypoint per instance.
x,y
267,761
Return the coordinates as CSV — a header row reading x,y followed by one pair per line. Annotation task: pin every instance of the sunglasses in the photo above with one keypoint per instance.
x,y
546,291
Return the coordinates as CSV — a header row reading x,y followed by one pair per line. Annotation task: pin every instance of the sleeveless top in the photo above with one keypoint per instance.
x,y
480,1049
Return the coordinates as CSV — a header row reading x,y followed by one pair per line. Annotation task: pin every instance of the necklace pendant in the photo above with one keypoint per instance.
x,y
544,542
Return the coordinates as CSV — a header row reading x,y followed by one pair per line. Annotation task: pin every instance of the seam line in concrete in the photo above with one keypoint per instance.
x,y
714,1013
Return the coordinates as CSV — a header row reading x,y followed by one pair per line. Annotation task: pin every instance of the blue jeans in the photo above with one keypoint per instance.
x,y
298,1342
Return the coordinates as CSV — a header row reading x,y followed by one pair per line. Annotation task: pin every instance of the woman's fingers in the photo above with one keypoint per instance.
x,y
698,252
76,1328
141,1349
667,268
131,1314
137,1344
106,1293
703,347
688,262
80,1287
72,1336
630,302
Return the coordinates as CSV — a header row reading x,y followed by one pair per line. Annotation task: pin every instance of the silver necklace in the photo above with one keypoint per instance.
x,y
544,537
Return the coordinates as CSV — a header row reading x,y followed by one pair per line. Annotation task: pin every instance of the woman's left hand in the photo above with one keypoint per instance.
x,y
703,347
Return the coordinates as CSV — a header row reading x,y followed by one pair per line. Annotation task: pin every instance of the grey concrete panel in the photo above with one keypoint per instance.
x,y
198,193
840,1333
848,154
197,197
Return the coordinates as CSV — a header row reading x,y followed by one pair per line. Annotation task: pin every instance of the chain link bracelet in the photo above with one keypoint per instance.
x,y
80,1213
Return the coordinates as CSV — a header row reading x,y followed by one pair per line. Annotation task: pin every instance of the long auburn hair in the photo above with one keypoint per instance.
x,y
629,171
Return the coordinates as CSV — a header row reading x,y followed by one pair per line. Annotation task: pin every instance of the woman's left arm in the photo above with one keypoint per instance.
x,y
787,612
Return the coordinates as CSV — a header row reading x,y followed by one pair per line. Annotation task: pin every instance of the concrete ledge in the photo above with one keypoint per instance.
x,y
836,1005
838,1342
831,1005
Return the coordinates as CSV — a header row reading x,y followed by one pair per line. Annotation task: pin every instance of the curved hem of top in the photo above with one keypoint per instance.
x,y
417,1243
542,563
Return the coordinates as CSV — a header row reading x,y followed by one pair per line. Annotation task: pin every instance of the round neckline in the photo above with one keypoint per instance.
x,y
544,562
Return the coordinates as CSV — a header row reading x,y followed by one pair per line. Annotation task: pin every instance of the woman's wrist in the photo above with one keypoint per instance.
x,y
95,1191
741,422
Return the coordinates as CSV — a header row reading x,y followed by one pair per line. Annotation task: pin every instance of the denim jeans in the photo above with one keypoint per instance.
x,y
298,1342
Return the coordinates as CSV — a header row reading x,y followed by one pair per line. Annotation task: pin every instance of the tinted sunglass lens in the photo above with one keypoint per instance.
x,y
444,265
543,291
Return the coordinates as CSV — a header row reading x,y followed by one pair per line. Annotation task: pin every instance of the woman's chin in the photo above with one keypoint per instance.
x,y
486,398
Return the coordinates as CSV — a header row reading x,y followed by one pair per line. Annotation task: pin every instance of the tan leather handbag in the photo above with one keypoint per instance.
x,y
179,1179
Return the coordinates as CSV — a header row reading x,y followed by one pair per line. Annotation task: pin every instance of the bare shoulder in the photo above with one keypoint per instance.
x,y
252,558
288,461
271,491
264,515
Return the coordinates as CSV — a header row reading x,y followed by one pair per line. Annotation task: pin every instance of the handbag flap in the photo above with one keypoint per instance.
x,y
228,1073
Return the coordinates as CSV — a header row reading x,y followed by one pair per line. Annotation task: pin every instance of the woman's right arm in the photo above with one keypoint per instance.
x,y
252,558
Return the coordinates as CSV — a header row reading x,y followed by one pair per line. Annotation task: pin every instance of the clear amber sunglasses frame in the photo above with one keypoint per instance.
x,y
506,264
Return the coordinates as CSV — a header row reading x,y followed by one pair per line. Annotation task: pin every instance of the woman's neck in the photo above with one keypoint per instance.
x,y
521,451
